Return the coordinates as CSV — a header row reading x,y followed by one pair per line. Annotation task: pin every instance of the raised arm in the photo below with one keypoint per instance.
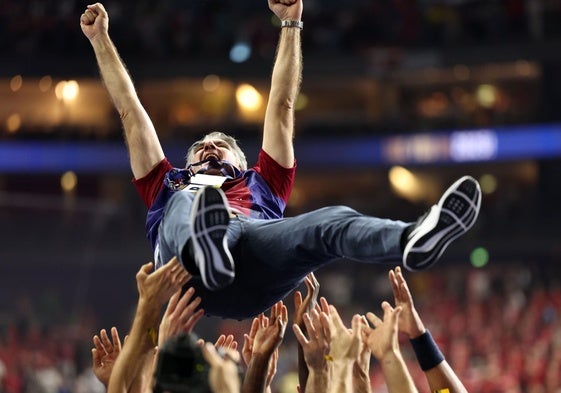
x,y
382,340
269,334
144,147
278,129
315,345
155,289
302,306
438,372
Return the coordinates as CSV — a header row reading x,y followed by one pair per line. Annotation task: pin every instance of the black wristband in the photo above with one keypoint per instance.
x,y
427,352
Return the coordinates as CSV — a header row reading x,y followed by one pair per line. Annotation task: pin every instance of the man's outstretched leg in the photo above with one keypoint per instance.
x,y
451,217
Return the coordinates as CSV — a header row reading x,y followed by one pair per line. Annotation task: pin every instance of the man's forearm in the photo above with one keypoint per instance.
x,y
287,72
278,130
114,73
142,141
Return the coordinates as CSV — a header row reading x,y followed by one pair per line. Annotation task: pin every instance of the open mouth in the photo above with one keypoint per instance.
x,y
212,156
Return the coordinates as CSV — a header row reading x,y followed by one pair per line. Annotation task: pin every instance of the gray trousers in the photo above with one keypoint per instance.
x,y
273,256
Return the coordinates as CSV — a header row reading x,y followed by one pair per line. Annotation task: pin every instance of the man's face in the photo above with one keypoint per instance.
x,y
213,149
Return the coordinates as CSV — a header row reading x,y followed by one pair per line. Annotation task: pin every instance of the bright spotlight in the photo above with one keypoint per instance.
x,y
248,97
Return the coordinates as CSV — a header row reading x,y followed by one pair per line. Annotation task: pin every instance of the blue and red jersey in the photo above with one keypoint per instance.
x,y
260,192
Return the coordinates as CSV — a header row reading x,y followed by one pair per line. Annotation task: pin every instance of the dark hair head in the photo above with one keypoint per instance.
x,y
181,367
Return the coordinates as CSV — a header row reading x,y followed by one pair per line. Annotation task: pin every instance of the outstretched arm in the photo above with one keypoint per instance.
x,y
278,129
302,306
315,346
438,372
144,147
269,333
105,353
155,289
382,341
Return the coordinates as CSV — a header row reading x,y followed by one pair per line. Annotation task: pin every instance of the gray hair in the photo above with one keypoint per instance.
x,y
230,141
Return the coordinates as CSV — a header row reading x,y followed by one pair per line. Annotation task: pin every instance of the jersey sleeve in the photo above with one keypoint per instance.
x,y
149,186
279,179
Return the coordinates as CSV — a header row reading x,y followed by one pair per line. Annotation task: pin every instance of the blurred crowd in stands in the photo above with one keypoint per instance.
x,y
184,29
499,328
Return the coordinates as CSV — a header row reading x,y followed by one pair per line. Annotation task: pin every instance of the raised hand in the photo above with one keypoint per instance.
x,y
105,354
226,342
181,315
315,343
94,21
270,332
157,287
361,366
307,304
382,338
345,343
287,9
223,376
247,349
409,321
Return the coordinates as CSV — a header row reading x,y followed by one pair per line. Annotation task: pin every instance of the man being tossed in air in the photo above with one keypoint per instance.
x,y
231,235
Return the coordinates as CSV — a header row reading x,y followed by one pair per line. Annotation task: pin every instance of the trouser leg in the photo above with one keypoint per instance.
x,y
311,240
175,227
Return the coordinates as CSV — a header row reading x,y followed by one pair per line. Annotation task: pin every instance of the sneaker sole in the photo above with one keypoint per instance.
x,y
209,222
454,215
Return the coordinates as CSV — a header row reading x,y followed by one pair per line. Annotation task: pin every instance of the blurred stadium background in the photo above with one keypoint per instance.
x,y
399,98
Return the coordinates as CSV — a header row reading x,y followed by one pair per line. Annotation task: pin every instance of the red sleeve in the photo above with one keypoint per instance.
x,y
279,179
149,186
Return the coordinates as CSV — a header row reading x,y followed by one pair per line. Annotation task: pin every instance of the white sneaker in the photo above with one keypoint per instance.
x,y
454,214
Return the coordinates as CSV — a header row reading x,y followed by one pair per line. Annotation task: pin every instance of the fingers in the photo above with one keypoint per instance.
x,y
254,327
97,344
300,337
107,345
145,270
193,319
88,17
336,319
357,325
325,325
310,326
297,300
178,275
173,302
309,286
392,314
394,284
96,358
115,338
97,9
220,340
211,355
373,318
230,343
324,305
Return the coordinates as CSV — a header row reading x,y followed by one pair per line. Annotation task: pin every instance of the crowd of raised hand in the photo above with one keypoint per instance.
x,y
332,357
500,333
